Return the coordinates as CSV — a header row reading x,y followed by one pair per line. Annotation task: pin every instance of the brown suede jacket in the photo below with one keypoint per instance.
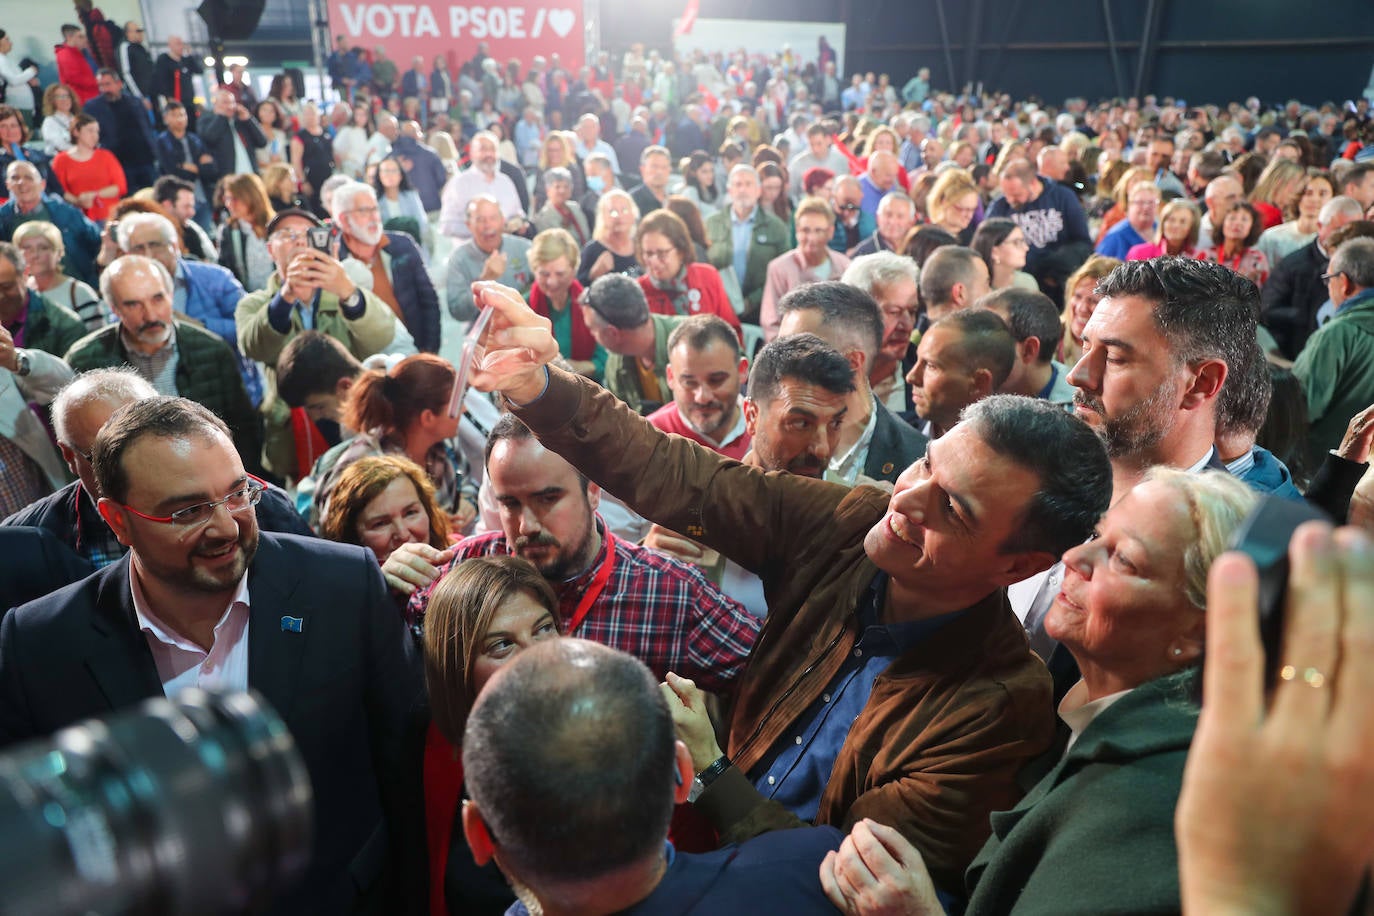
x,y
947,726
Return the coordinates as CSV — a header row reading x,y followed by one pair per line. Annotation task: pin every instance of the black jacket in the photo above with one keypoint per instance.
x,y
895,445
217,132
124,128
34,563
346,680
1292,296
139,72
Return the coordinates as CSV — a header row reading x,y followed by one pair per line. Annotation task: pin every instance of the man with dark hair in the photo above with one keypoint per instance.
x,y
953,278
706,371
932,747
1358,184
173,76
655,168
124,129
798,391
961,359
1052,219
75,66
177,198
315,372
183,154
1156,355
1035,326
663,612
820,152
873,444
608,855
79,410
636,341
203,600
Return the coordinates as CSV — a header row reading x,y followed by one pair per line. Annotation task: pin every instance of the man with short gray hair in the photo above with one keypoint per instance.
x,y
896,215
490,253
1335,366
1292,301
177,357
892,280
482,177
745,238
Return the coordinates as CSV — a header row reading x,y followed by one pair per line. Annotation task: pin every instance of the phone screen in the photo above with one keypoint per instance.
x,y
470,344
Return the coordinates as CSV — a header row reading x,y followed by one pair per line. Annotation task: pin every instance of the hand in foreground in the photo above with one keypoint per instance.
x,y
1358,437
412,567
518,344
877,872
687,702
673,544
1277,809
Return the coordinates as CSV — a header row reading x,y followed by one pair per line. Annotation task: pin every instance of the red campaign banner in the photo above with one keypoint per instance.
x,y
519,29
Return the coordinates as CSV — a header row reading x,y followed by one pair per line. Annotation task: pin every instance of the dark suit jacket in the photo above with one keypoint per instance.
x,y
895,446
217,132
33,562
1291,297
348,686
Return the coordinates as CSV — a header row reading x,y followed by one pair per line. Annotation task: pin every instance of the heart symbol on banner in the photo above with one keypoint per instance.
x,y
561,21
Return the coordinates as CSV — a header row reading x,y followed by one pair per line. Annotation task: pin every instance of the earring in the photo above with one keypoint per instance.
x,y
1177,651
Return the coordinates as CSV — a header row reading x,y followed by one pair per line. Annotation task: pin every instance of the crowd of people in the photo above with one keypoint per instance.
x,y
831,495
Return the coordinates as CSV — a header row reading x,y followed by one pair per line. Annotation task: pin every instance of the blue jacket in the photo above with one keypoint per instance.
x,y
1120,239
80,236
171,157
414,291
212,295
427,173
1054,218
1269,475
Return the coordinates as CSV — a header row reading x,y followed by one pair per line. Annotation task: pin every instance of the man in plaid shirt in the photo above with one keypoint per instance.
x,y
663,612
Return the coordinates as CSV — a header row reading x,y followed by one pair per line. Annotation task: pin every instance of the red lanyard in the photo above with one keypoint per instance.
x,y
594,588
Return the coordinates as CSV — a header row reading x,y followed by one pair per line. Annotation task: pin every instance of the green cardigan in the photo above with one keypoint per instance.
x,y
1096,834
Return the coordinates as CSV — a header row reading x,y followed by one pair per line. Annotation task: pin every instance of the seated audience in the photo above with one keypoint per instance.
x,y
1282,240
1080,300
559,212
952,203
1142,208
1052,219
243,246
80,236
1235,247
31,319
896,215
1296,290
745,238
91,177
398,200
483,178
29,379
612,248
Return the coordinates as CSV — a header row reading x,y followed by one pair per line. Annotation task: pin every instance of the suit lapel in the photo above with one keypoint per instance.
x,y
275,650
119,659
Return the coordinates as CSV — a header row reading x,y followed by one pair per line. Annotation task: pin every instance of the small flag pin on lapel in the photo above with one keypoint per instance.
x,y
292,624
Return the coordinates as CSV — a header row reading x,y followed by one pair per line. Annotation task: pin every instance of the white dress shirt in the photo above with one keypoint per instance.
x,y
181,663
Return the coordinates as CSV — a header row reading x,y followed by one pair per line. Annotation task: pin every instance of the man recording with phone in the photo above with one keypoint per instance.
x,y
309,291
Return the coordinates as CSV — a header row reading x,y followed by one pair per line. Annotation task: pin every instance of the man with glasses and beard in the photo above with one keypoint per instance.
x,y
663,612
177,357
203,600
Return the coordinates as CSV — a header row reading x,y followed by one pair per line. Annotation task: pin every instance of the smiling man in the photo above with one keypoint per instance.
x,y
886,612
202,599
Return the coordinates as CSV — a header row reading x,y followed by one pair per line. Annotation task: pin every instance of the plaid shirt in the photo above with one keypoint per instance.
x,y
663,612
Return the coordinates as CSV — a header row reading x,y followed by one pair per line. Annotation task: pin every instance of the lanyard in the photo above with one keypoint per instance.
x,y
595,588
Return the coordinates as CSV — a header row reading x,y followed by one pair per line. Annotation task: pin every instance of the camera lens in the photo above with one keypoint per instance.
x,y
199,804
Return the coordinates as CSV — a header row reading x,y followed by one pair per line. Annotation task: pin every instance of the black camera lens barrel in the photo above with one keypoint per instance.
x,y
200,804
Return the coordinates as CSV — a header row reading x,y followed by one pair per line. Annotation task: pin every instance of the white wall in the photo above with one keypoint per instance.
x,y
762,37
36,26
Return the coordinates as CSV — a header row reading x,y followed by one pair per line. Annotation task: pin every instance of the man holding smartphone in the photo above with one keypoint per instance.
x,y
309,290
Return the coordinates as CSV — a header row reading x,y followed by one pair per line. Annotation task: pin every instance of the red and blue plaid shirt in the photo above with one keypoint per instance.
x,y
663,612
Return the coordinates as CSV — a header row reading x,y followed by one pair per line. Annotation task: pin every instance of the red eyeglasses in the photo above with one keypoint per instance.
x,y
239,501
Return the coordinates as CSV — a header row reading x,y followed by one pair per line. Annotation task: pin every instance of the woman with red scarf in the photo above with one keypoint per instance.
x,y
553,257
673,283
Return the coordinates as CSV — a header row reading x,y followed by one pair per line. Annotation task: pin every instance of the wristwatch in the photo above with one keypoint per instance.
x,y
702,781
22,364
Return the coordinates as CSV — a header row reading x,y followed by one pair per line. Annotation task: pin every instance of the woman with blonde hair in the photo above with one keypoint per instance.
x,y
612,248
952,203
558,151
243,234
41,244
446,149
1277,192
1180,222
1080,299
1011,150
553,258
481,615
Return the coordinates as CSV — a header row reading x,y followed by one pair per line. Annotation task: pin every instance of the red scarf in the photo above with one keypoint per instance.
x,y
583,343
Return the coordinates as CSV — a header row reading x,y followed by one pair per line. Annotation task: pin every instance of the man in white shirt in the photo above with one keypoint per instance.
x,y
482,178
589,140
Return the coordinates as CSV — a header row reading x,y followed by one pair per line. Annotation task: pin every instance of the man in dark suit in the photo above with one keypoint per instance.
x,y
202,600
745,237
1289,302
873,441
33,563
231,134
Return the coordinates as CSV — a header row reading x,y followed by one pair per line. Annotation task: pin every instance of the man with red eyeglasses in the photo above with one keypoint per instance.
x,y
202,599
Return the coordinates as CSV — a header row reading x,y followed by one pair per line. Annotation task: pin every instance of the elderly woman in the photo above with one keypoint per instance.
x,y
674,282
43,250
612,248
555,294
381,503
1179,225
1095,834
559,210
481,615
1081,301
